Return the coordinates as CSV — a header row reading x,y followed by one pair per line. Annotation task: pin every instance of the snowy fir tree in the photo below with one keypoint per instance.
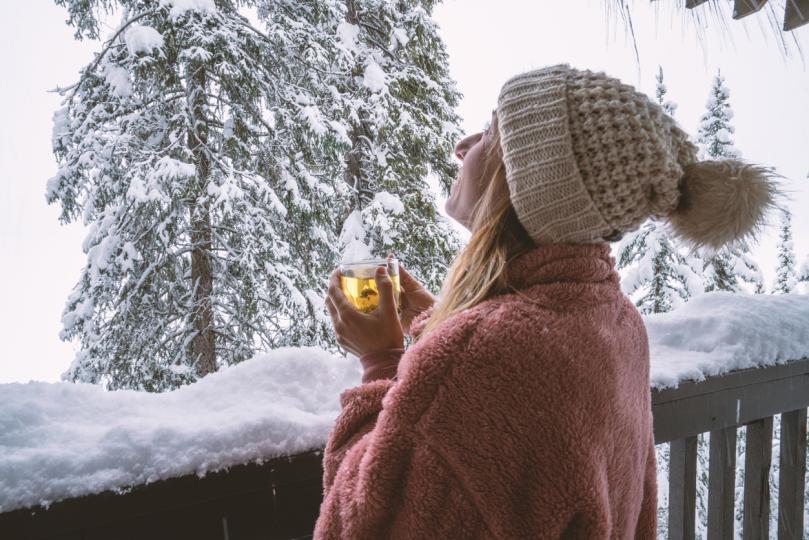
x,y
155,145
785,275
723,269
162,146
716,130
216,165
660,93
657,276
399,103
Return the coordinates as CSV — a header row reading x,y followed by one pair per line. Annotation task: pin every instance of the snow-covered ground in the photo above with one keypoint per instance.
x,y
61,440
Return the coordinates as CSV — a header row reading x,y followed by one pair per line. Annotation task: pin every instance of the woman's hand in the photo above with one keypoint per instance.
x,y
363,333
414,298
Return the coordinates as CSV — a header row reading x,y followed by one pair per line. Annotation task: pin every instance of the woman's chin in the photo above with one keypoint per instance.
x,y
449,207
463,221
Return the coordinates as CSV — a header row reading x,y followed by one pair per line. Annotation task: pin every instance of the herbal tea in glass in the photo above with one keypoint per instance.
x,y
357,279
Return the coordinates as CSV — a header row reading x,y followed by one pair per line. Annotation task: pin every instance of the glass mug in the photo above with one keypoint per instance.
x,y
358,282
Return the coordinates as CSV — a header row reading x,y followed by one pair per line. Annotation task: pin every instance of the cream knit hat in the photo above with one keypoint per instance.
x,y
589,158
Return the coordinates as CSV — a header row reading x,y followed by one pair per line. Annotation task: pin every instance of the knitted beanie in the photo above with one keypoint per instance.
x,y
589,158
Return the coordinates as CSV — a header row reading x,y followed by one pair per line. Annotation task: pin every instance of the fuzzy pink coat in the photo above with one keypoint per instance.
x,y
527,416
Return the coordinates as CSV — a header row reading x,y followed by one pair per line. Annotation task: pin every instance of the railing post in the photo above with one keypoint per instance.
x,y
757,461
721,483
792,475
682,488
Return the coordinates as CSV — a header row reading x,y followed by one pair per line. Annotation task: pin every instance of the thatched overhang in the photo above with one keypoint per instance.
x,y
796,12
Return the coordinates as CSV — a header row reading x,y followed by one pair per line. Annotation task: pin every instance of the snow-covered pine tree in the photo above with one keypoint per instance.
x,y
716,130
399,103
785,275
660,92
171,151
723,269
656,274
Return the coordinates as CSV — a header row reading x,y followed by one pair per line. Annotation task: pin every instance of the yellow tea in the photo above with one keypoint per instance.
x,y
359,285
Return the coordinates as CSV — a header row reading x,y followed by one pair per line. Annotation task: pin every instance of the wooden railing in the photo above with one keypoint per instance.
x,y
719,406
281,498
276,500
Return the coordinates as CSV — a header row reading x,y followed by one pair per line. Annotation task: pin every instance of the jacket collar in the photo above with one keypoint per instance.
x,y
558,276
563,263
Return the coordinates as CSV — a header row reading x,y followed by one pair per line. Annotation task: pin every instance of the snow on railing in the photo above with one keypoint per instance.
x,y
719,332
63,440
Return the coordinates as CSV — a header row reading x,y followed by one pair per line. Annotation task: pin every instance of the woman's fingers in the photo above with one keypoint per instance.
x,y
332,310
336,294
387,304
407,280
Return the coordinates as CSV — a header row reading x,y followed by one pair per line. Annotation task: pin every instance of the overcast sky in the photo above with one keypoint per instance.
x,y
41,259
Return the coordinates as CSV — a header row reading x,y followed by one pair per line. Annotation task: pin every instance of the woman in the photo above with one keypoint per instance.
x,y
522,409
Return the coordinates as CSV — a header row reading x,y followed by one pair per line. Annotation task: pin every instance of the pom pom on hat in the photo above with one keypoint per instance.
x,y
723,202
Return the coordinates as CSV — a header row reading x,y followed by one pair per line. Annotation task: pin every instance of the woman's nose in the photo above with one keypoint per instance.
x,y
465,144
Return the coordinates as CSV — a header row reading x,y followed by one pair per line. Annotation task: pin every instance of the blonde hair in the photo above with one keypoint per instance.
x,y
479,271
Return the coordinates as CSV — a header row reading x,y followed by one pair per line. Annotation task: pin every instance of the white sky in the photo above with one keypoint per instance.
x,y
41,259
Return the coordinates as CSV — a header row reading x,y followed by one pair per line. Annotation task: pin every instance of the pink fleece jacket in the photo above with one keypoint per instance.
x,y
527,416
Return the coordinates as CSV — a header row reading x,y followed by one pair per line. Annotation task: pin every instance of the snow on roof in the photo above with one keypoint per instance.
x,y
62,440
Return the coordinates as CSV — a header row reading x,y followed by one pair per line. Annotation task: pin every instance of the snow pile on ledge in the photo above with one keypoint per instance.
x,y
65,440
62,440
718,332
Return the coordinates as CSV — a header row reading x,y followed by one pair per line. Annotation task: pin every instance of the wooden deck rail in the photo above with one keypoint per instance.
x,y
281,498
719,405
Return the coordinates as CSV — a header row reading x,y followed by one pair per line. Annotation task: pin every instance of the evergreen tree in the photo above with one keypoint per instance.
x,y
399,103
716,130
660,92
657,275
718,273
785,280
723,269
217,165
188,176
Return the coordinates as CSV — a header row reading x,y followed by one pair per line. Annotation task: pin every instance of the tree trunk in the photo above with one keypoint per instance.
x,y
202,345
360,133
